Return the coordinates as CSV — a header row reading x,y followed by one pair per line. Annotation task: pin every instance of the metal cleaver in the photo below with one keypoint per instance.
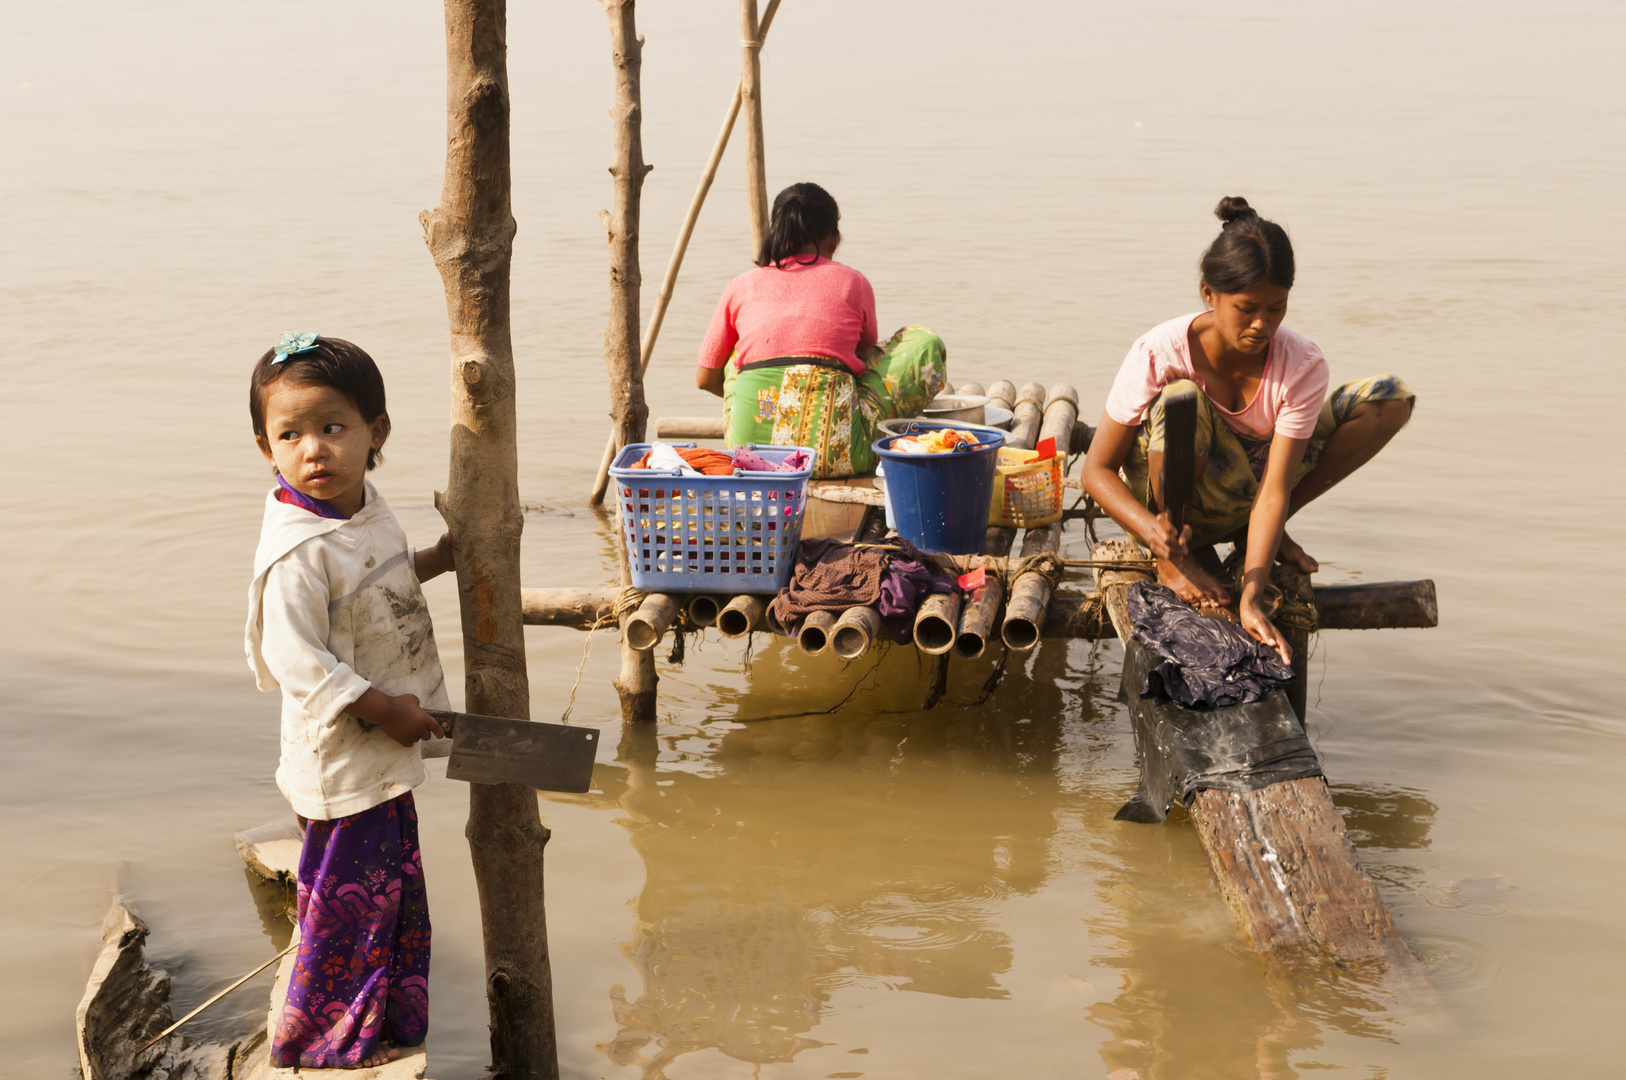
x,y
497,750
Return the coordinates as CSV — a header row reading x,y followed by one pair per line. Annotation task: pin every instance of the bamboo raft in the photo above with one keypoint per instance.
x,y
1281,856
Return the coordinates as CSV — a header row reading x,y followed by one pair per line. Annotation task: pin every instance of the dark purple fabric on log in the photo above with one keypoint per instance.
x,y
1207,662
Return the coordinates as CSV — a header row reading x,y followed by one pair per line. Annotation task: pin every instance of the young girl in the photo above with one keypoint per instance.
x,y
792,347
337,620
1267,443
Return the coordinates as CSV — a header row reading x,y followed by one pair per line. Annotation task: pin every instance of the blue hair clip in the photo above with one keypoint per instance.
x,y
292,344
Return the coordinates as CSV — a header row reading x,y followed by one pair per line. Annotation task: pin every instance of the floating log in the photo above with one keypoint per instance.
x,y
703,609
977,619
742,615
814,636
1284,861
649,623
855,632
579,609
936,622
672,428
1377,606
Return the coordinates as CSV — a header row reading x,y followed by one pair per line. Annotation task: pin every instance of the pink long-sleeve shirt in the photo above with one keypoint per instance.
x,y
820,308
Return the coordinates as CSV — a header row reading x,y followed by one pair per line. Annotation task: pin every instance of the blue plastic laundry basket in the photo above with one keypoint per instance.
x,y
733,534
939,502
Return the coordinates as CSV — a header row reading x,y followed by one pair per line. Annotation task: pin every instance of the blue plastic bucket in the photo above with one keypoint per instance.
x,y
940,502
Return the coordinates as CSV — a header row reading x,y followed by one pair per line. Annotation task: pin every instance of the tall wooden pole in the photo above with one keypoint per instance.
x,y
664,298
756,176
629,413
471,236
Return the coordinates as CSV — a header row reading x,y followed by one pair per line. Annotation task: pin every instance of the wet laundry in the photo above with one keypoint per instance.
x,y
1205,662
894,578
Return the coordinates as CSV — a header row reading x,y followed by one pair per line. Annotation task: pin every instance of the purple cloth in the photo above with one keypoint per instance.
x,y
361,973
319,507
905,584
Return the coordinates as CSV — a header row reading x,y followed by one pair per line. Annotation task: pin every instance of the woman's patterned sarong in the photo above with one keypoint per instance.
x,y
361,973
1225,491
830,410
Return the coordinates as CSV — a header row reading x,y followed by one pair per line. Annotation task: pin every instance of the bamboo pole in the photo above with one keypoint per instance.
x,y
636,683
703,610
935,623
742,615
814,635
756,173
977,620
647,625
1030,592
471,236
664,298
855,632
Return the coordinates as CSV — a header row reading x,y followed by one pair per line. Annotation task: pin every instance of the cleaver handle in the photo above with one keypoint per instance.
x,y
447,719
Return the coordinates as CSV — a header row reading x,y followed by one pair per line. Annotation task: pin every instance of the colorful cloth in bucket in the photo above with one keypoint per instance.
x,y
361,973
1226,489
816,405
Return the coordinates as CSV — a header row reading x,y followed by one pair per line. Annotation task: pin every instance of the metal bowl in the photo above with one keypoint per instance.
x,y
968,408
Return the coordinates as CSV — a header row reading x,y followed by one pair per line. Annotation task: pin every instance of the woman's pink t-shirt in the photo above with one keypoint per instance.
x,y
820,308
1289,399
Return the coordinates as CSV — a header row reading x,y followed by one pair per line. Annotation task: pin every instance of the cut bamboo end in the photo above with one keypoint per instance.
x,y
855,632
703,610
741,615
650,622
936,623
814,636
977,619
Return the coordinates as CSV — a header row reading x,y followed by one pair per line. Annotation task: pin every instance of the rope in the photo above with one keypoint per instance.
x,y
626,602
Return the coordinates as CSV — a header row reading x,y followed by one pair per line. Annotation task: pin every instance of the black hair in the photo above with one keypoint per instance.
x,y
1248,250
803,215
335,363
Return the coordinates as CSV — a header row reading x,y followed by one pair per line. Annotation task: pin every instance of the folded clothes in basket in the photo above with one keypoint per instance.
x,y
696,461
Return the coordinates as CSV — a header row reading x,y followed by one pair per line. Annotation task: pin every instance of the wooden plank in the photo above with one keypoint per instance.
x,y
1285,865
1378,605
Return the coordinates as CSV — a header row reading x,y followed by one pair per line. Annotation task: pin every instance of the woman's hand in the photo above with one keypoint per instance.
x,y
710,379
432,562
1165,542
1258,624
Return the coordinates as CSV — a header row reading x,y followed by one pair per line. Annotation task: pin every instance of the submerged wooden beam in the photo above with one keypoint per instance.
x,y
1285,864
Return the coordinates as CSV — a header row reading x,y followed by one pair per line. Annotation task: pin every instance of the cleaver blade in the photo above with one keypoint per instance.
x,y
499,750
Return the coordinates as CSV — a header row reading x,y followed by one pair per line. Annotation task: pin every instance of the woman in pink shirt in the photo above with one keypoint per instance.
x,y
1268,439
792,348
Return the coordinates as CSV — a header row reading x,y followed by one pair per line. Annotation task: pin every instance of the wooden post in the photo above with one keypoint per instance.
x,y
629,413
679,249
756,174
471,236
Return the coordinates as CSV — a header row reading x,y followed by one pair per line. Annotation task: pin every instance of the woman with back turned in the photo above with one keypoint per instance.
x,y
1269,439
792,348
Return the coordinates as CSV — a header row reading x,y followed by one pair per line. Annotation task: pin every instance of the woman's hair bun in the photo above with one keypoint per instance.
x,y
1235,208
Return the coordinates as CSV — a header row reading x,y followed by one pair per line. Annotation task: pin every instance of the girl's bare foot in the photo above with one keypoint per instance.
x,y
1295,556
1191,582
384,1056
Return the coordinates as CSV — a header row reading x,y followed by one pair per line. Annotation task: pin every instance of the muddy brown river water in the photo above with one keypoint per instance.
x,y
761,887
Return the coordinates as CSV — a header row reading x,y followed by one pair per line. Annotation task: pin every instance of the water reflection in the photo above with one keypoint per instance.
x,y
789,859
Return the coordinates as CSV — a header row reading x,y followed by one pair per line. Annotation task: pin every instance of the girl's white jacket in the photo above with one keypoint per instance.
x,y
334,608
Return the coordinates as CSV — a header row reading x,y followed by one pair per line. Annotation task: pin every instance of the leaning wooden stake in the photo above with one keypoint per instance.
x,y
1286,867
756,174
664,298
629,413
471,236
